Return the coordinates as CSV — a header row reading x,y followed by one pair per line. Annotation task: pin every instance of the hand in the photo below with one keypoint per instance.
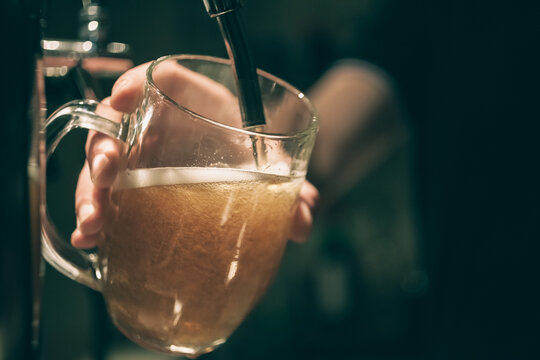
x,y
362,123
103,157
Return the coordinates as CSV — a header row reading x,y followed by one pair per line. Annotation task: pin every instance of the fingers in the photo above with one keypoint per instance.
x,y
89,211
102,151
187,88
128,89
103,158
303,217
197,92
81,241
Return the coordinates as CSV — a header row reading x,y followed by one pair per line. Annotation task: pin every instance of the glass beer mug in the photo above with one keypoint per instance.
x,y
197,219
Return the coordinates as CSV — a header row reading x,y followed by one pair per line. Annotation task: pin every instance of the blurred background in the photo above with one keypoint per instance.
x,y
425,245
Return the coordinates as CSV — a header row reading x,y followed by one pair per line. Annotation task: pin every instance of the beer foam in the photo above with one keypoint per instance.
x,y
185,175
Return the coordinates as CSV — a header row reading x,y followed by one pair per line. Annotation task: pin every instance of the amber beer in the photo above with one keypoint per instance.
x,y
189,251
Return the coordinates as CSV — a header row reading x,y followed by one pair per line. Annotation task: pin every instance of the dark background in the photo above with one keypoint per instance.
x,y
433,255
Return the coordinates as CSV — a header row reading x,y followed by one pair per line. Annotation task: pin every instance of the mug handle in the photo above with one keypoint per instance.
x,y
73,263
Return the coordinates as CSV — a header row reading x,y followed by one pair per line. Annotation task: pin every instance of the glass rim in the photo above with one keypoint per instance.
x,y
310,129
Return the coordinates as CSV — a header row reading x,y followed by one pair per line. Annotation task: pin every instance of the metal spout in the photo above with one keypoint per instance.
x,y
245,71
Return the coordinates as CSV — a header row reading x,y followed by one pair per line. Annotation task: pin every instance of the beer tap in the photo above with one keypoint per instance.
x,y
92,62
94,24
226,12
